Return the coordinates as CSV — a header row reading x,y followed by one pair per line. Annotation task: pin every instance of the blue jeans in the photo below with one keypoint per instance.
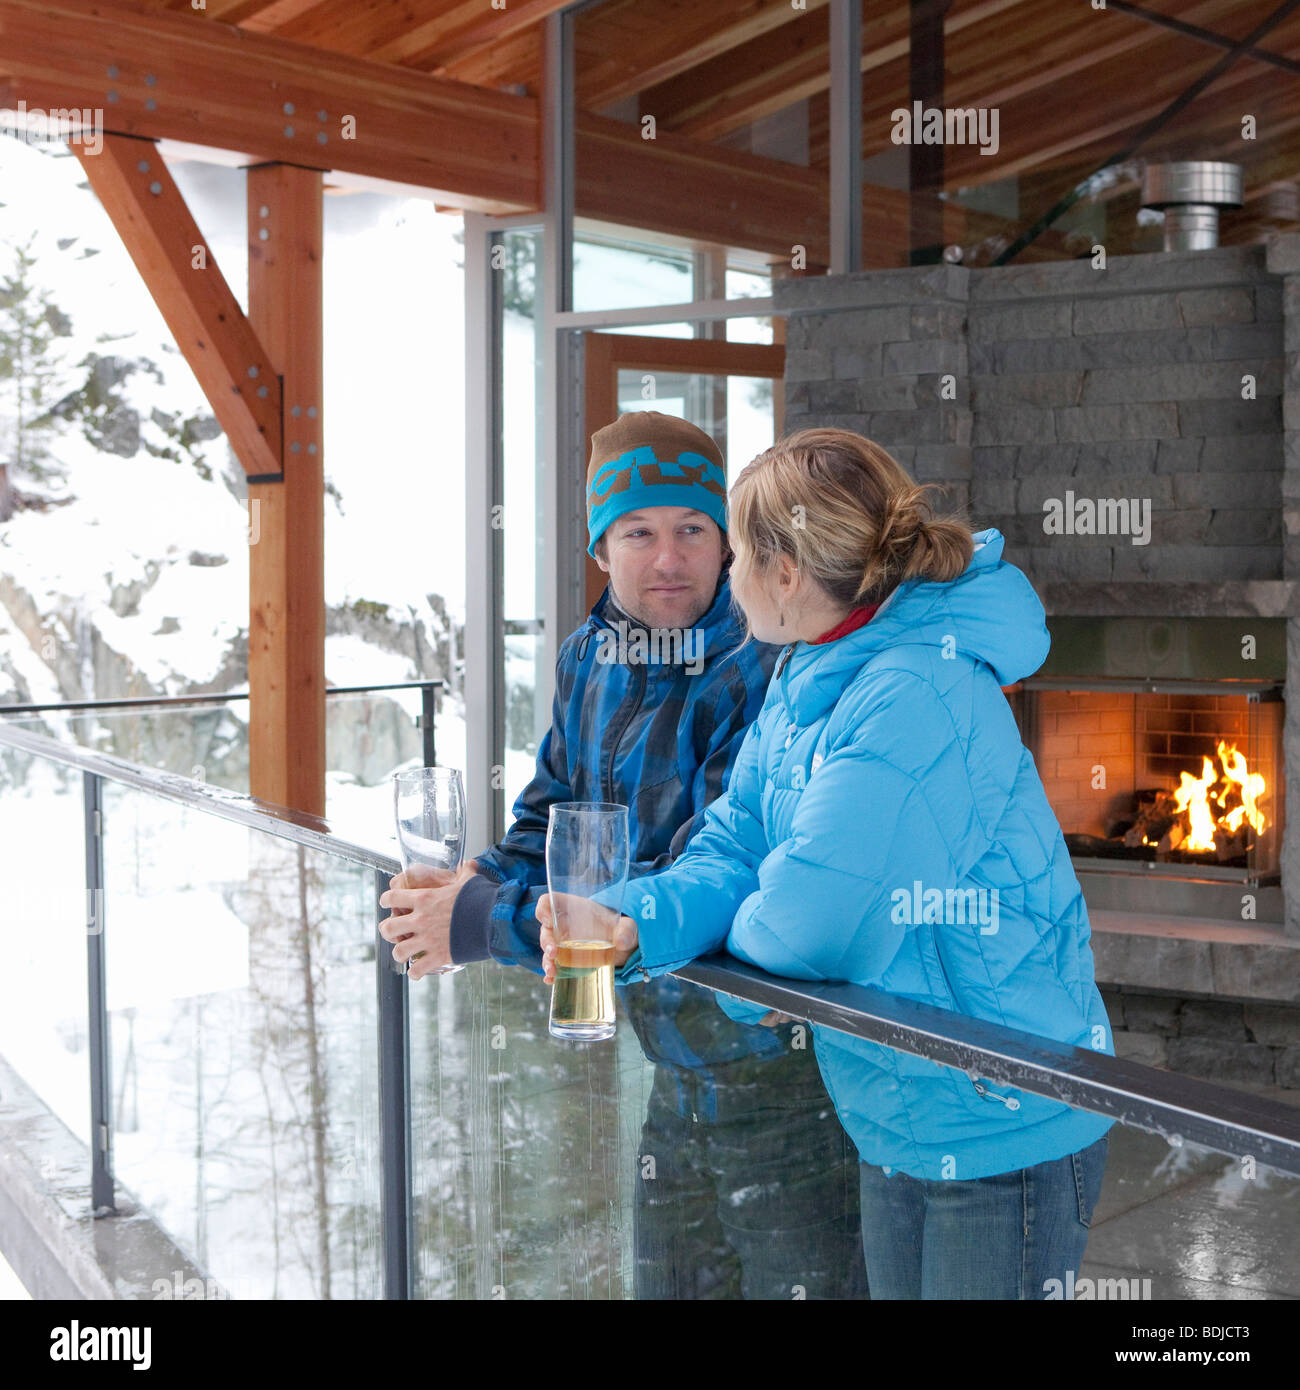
x,y
759,1203
1002,1236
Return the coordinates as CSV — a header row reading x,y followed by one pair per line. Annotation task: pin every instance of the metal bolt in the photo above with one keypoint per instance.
x,y
112,72
150,104
252,371
321,137
297,410
262,392
311,412
288,108
112,96
322,115
294,447
155,187
311,448
263,234
143,166
288,132
264,211
150,80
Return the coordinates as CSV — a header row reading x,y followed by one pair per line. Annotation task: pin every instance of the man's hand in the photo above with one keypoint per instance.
x,y
420,928
625,933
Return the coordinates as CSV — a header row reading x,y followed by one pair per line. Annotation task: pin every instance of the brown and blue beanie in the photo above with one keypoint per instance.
x,y
646,459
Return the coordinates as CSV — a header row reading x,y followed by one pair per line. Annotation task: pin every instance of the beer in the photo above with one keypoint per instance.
x,y
582,1001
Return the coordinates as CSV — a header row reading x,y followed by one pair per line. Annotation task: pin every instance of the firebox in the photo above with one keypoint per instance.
x,y
1159,744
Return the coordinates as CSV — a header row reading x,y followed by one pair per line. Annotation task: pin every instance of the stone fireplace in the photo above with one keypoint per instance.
x,y
1133,430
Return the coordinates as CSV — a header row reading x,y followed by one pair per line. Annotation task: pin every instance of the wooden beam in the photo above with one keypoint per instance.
x,y
513,62
183,77
228,11
708,356
460,32
475,149
232,366
1085,133
673,185
286,630
624,47
775,70
1083,76
338,26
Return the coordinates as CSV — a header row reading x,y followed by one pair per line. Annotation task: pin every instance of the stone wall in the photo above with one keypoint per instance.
x,y
1122,382
1128,383
1215,1039
1169,379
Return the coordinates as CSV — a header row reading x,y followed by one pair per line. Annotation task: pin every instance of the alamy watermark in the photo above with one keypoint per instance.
x,y
627,645
1079,1290
949,125
82,125
74,1342
1098,516
919,904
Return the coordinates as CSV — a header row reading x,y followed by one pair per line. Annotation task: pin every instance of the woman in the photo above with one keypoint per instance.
x,y
885,825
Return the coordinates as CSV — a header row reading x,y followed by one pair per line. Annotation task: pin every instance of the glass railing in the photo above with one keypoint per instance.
x,y
243,1065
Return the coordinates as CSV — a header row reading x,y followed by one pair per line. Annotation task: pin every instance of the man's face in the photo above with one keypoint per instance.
x,y
663,564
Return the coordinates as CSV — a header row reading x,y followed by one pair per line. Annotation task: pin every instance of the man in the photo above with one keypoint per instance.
x,y
754,1183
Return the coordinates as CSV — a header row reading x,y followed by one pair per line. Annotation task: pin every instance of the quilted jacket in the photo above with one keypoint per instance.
x,y
884,825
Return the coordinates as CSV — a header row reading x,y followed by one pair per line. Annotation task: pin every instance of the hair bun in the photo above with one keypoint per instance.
x,y
902,521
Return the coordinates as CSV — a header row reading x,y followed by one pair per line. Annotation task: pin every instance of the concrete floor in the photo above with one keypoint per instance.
x,y
1191,1223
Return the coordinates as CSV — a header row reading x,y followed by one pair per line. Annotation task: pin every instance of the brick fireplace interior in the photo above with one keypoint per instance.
x,y
1175,779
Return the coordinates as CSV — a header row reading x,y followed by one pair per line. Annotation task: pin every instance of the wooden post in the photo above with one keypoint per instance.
x,y
286,630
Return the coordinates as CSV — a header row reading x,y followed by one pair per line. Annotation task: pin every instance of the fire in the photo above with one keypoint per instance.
x,y
1194,795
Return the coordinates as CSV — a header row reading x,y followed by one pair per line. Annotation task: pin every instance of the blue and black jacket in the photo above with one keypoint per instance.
x,y
659,736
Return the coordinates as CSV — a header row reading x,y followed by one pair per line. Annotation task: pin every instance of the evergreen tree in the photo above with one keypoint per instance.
x,y
31,366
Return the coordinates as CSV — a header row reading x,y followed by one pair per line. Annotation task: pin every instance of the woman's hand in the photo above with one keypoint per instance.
x,y
625,933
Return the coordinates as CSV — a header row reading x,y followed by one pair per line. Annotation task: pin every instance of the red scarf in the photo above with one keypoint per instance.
x,y
857,618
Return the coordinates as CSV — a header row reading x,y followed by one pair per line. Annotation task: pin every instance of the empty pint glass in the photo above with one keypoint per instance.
x,y
586,858
429,807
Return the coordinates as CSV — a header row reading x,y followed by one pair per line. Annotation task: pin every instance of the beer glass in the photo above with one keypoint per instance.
x,y
429,805
586,856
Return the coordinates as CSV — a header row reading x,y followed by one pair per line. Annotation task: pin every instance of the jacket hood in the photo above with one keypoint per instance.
x,y
990,612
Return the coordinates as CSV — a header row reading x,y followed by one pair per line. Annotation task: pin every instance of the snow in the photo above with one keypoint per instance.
x,y
185,998
351,660
393,433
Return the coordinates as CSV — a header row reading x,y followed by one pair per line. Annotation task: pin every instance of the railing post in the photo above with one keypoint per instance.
x,y
426,723
396,1207
101,1152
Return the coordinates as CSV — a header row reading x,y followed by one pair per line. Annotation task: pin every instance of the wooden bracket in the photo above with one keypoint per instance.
x,y
226,356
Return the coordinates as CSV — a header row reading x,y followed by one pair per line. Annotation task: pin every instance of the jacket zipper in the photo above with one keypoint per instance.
x,y
613,753
981,1090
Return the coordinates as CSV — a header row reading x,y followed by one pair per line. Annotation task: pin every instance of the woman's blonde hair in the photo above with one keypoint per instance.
x,y
847,514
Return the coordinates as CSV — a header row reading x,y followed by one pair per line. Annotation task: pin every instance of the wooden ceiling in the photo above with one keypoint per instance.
x,y
1072,84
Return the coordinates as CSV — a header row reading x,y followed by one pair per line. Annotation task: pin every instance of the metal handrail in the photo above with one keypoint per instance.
x,y
313,832
221,697
1178,1107
1182,1109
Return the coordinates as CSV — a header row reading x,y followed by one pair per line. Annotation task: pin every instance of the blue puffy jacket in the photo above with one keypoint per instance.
x,y
885,765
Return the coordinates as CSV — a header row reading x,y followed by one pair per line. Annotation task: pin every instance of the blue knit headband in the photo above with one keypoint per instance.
x,y
637,479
